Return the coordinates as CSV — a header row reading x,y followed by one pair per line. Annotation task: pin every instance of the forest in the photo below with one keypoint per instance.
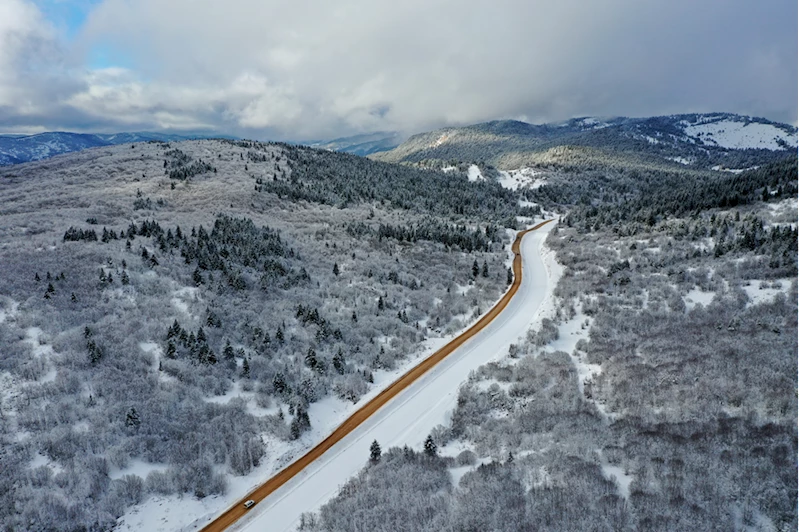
x,y
660,394
170,313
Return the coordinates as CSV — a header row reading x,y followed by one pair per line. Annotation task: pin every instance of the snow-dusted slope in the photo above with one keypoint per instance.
x,y
409,418
737,135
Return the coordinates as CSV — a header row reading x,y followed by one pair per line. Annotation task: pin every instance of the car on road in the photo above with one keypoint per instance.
x,y
249,504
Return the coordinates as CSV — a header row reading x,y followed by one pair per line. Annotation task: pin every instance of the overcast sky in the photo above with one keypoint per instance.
x,y
315,69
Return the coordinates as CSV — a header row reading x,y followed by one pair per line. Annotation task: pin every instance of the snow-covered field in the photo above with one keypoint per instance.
x,y
475,174
740,135
515,179
411,417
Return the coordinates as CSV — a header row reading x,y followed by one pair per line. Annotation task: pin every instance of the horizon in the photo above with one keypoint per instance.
x,y
404,136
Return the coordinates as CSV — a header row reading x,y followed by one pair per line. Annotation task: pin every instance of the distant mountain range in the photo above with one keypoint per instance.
x,y
16,149
363,145
703,141
721,140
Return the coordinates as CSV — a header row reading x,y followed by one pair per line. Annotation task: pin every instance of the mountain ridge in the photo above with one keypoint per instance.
x,y
699,141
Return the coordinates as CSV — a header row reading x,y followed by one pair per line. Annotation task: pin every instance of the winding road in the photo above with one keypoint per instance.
x,y
425,395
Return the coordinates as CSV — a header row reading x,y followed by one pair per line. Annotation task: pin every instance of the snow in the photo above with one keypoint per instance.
x,y
522,177
475,174
40,460
182,296
249,399
764,291
681,160
9,313
740,135
409,418
462,289
698,297
622,480
33,338
137,467
720,168
448,169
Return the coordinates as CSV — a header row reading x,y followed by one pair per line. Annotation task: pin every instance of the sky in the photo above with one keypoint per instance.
x,y
318,69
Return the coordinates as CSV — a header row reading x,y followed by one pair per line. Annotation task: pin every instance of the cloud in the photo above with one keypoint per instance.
x,y
316,69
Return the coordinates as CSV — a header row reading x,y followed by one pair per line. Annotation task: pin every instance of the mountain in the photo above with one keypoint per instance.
x,y
701,141
15,149
363,145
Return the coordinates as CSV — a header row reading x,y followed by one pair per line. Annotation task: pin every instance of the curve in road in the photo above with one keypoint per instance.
x,y
235,512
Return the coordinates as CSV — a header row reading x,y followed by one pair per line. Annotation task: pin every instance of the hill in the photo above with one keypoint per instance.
x,y
363,145
696,141
182,318
15,149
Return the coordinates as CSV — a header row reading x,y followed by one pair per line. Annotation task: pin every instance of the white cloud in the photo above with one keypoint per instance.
x,y
314,69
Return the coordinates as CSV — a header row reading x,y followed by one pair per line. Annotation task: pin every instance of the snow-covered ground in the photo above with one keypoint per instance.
x,y
740,135
475,174
515,179
409,418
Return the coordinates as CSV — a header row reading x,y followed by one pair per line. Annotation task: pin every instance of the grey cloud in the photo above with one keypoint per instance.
x,y
315,69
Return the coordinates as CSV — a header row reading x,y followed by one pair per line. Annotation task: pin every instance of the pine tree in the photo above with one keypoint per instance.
x,y
197,277
245,369
375,452
228,351
310,359
485,269
380,304
125,278
338,362
475,269
132,419
510,276
170,349
335,269
430,448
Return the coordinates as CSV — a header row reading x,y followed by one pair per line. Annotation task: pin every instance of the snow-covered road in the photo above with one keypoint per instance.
x,y
409,418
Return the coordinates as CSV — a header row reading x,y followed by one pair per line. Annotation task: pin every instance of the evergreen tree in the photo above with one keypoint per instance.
x,y
375,452
132,418
197,277
475,269
485,269
335,269
430,448
170,349
338,362
510,276
125,278
228,351
380,304
245,369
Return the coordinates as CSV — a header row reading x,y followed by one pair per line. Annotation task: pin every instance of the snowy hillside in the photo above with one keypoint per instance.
x,y
738,135
700,141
